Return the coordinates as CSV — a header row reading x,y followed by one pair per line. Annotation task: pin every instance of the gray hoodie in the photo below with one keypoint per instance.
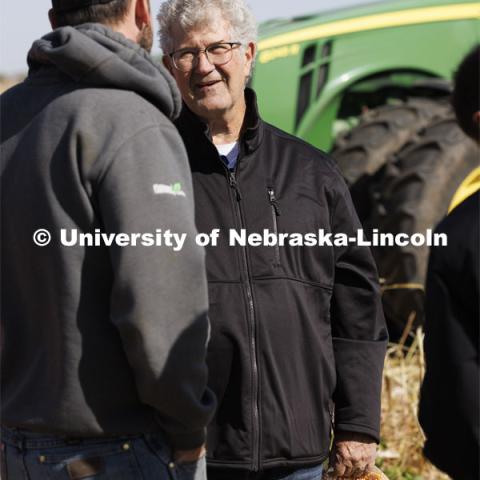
x,y
99,340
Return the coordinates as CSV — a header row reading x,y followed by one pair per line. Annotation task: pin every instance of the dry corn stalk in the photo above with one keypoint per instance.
x,y
402,437
373,474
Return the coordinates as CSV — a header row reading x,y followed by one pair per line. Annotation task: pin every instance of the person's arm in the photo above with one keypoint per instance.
x,y
159,296
359,340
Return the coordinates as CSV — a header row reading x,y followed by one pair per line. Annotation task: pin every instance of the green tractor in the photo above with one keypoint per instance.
x,y
371,85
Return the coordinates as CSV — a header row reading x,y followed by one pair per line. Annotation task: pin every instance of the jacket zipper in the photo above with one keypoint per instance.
x,y
253,344
275,214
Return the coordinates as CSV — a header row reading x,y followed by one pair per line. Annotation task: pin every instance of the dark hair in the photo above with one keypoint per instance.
x,y
112,12
466,94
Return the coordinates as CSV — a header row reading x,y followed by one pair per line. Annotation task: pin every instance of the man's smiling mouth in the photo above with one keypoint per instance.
x,y
204,85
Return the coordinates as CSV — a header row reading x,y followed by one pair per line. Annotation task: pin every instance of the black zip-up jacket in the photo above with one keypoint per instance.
x,y
295,330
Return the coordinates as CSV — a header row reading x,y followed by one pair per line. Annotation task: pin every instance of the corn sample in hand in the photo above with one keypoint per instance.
x,y
373,474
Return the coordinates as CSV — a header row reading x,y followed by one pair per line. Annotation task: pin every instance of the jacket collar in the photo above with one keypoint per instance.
x,y
190,125
253,133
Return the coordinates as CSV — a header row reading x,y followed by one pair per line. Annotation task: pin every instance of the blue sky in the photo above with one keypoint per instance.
x,y
23,21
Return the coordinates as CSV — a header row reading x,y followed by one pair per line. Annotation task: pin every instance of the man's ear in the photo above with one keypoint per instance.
x,y
142,14
476,118
250,52
52,19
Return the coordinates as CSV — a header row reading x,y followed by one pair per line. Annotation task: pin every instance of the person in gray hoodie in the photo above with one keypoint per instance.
x,y
103,316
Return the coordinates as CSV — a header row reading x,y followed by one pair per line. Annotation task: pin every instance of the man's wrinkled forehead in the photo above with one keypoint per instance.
x,y
204,32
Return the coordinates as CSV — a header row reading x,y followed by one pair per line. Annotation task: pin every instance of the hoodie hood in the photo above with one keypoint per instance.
x,y
95,56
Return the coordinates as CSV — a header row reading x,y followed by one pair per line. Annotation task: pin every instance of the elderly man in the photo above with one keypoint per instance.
x,y
103,356
298,335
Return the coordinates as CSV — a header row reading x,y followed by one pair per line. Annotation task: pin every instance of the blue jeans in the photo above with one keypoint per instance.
x,y
32,456
290,473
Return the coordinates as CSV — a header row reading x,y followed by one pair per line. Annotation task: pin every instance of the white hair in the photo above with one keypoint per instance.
x,y
191,14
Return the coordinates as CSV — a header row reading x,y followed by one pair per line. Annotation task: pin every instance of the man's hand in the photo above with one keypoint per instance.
x,y
352,454
189,456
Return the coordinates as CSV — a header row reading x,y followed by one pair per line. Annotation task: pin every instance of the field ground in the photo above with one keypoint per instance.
x,y
400,453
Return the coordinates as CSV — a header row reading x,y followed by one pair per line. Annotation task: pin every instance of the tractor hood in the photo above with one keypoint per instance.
x,y
279,33
312,70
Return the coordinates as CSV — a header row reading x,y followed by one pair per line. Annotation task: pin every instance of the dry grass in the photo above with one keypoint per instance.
x,y
400,453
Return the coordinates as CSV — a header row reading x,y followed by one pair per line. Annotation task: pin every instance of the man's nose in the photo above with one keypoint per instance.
x,y
203,64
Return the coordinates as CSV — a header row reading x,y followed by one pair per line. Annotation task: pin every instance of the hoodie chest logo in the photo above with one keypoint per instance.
x,y
175,189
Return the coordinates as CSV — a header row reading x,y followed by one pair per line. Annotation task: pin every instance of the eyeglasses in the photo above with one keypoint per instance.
x,y
217,54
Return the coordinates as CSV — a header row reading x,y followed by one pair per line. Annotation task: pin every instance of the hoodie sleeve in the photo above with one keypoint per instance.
x,y
358,327
159,295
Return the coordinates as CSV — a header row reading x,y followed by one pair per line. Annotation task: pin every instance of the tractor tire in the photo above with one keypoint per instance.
x,y
362,151
414,195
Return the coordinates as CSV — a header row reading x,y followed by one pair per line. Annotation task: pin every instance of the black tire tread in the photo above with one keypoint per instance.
x,y
416,191
380,133
365,149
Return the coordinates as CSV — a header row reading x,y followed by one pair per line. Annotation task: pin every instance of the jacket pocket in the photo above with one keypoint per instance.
x,y
297,368
275,213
